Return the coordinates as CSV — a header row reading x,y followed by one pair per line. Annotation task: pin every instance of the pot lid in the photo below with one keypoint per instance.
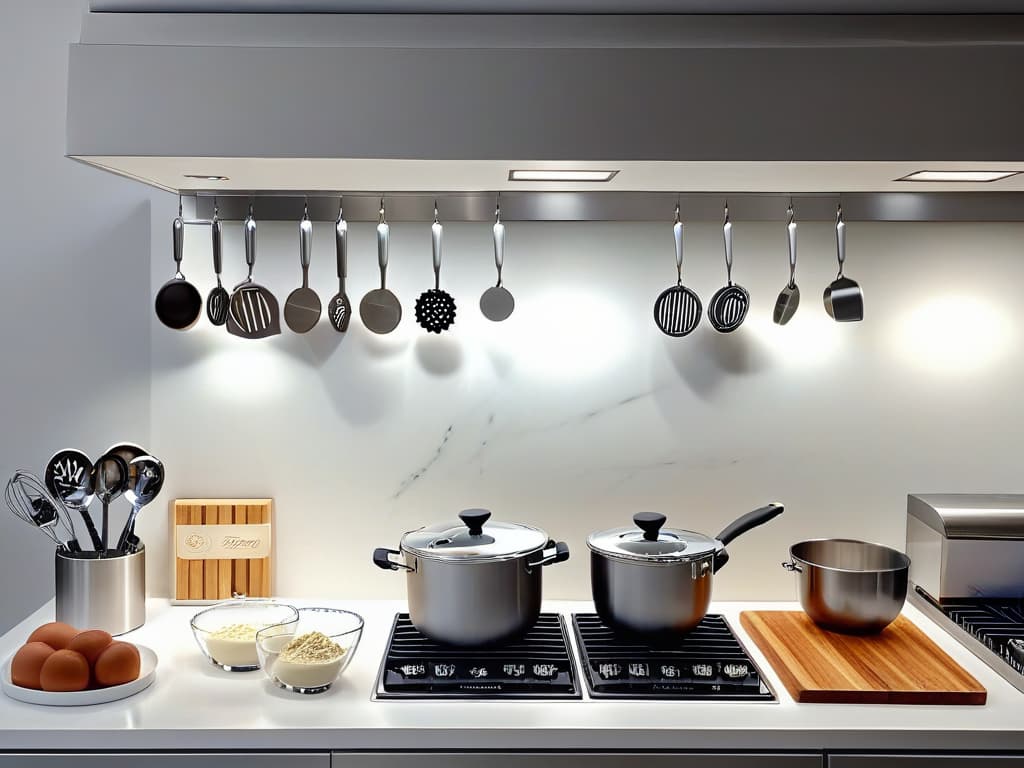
x,y
471,539
650,542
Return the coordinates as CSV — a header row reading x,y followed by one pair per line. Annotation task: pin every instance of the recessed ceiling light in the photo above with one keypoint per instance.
x,y
983,176
544,175
204,177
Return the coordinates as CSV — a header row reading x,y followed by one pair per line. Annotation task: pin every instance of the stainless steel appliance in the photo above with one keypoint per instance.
x,y
967,572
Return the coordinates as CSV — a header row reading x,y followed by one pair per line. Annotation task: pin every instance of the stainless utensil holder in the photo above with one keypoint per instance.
x,y
102,592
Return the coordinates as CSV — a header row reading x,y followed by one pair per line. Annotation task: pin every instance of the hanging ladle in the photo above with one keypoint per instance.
x,y
844,299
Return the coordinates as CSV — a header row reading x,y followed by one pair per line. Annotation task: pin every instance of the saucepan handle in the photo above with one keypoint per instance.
x,y
740,526
382,559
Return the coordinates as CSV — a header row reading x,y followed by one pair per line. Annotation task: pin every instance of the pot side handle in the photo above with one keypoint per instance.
x,y
560,555
382,559
792,567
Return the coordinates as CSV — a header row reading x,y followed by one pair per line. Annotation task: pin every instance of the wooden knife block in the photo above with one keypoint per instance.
x,y
227,572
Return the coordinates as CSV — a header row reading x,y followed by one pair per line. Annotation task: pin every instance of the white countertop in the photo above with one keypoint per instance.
x,y
193,705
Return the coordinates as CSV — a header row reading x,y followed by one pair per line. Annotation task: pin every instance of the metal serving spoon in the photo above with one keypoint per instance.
x,y
145,479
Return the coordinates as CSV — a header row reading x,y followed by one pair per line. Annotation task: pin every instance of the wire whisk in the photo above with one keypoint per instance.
x,y
28,499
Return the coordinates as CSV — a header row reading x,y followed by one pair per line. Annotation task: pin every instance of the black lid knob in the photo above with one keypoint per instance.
x,y
650,523
474,520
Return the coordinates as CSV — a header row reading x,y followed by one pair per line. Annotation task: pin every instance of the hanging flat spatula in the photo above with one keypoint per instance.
x,y
302,308
253,312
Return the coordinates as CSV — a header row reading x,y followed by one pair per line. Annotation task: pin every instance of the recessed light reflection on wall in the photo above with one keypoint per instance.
x,y
811,338
244,371
566,334
953,335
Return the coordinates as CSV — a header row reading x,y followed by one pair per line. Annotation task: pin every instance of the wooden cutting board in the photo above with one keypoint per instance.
x,y
901,665
221,548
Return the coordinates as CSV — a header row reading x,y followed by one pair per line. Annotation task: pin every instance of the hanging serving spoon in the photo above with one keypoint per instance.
x,y
497,303
380,310
340,308
217,300
789,296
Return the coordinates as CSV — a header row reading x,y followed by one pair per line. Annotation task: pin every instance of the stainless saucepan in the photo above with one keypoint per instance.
x,y
849,586
473,583
651,579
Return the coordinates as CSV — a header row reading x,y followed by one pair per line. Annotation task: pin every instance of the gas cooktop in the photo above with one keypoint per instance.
x,y
708,663
993,628
538,665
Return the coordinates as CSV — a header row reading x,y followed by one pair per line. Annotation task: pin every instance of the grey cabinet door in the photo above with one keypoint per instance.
x,y
556,760
177,760
925,761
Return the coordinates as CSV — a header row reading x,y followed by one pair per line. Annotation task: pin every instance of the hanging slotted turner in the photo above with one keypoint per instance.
x,y
253,312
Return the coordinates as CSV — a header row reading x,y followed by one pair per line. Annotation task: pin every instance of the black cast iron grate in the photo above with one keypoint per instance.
x,y
997,624
708,663
538,665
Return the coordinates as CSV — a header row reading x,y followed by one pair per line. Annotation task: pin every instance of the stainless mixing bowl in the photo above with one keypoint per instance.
x,y
849,586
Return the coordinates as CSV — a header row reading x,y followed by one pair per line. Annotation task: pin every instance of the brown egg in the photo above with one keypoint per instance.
x,y
27,662
119,663
90,643
65,671
56,634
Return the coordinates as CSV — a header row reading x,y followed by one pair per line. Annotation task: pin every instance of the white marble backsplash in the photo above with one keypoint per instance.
x,y
577,412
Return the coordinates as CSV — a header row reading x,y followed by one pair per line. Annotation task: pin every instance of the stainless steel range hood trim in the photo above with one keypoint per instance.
x,y
558,206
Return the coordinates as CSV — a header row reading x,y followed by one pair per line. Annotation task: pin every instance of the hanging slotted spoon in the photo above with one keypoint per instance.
x,y
340,309
789,297
497,303
677,309
217,300
729,305
435,309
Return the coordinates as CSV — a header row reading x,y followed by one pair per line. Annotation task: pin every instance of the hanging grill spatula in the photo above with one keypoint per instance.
x,y
729,305
340,308
217,300
677,309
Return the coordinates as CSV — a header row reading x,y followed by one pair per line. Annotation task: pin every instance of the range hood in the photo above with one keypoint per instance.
x,y
420,103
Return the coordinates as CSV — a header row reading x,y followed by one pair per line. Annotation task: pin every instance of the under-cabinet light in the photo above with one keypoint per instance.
x,y
204,177
544,175
983,176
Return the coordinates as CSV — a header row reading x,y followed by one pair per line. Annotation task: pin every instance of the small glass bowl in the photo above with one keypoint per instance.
x,y
343,627
238,654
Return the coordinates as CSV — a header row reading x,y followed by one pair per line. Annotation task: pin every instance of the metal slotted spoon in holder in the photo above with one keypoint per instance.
x,y
677,309
217,300
253,312
789,297
380,310
68,477
844,299
435,309
497,303
302,308
340,308
729,305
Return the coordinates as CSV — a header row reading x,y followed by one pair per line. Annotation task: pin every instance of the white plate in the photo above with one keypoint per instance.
x,y
79,698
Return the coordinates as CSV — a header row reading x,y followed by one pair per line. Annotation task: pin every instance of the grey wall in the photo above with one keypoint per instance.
x,y
74,271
